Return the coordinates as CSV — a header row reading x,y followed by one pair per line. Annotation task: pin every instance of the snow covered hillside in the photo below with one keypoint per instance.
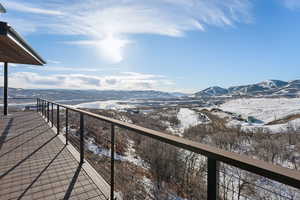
x,y
187,118
264,109
276,115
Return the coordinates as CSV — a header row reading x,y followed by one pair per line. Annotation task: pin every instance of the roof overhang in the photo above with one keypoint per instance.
x,y
13,49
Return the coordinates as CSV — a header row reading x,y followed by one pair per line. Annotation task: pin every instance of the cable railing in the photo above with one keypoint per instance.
x,y
59,116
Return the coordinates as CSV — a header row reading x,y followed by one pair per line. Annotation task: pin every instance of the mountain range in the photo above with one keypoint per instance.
x,y
266,88
269,88
61,94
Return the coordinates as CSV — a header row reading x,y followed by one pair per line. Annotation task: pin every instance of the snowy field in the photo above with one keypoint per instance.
x,y
277,128
264,109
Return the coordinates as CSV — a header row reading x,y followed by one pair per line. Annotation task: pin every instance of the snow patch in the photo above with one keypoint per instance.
x,y
130,154
187,118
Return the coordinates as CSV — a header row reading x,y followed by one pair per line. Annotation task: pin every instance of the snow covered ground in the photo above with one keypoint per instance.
x,y
187,118
130,155
277,128
264,109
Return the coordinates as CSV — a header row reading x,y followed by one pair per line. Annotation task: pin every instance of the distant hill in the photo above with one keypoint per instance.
x,y
87,94
265,88
213,91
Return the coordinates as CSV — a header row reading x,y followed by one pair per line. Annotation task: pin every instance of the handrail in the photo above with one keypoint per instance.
x,y
214,155
274,172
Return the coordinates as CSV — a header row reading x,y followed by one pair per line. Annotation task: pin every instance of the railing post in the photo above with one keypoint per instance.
x,y
67,126
81,138
112,156
37,104
5,88
51,114
57,119
48,111
212,179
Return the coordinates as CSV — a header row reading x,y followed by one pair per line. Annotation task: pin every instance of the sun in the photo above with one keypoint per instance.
x,y
112,48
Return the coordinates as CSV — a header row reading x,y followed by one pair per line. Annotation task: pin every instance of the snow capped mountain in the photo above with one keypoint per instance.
x,y
243,90
271,84
265,88
213,91
292,88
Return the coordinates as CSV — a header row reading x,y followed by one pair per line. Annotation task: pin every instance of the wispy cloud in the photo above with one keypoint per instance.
x,y
56,67
30,8
107,25
75,69
22,25
292,4
53,61
123,81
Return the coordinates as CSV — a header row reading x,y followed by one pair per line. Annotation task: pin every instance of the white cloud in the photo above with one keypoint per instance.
x,y
74,69
53,61
123,81
23,26
108,24
59,68
292,4
29,8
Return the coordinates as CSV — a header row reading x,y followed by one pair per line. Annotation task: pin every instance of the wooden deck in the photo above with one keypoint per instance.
x,y
36,164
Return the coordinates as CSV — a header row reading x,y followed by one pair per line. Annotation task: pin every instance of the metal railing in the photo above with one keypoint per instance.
x,y
214,155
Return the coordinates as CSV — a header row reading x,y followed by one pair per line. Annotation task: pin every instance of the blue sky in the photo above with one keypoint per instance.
x,y
169,45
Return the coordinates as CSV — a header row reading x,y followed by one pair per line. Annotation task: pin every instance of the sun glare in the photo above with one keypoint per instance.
x,y
112,48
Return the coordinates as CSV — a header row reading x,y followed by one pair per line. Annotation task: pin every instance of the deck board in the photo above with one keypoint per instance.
x,y
35,163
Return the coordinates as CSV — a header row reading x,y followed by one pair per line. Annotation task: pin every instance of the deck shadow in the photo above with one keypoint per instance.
x,y
5,132
27,157
73,181
16,136
26,124
40,174
30,139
